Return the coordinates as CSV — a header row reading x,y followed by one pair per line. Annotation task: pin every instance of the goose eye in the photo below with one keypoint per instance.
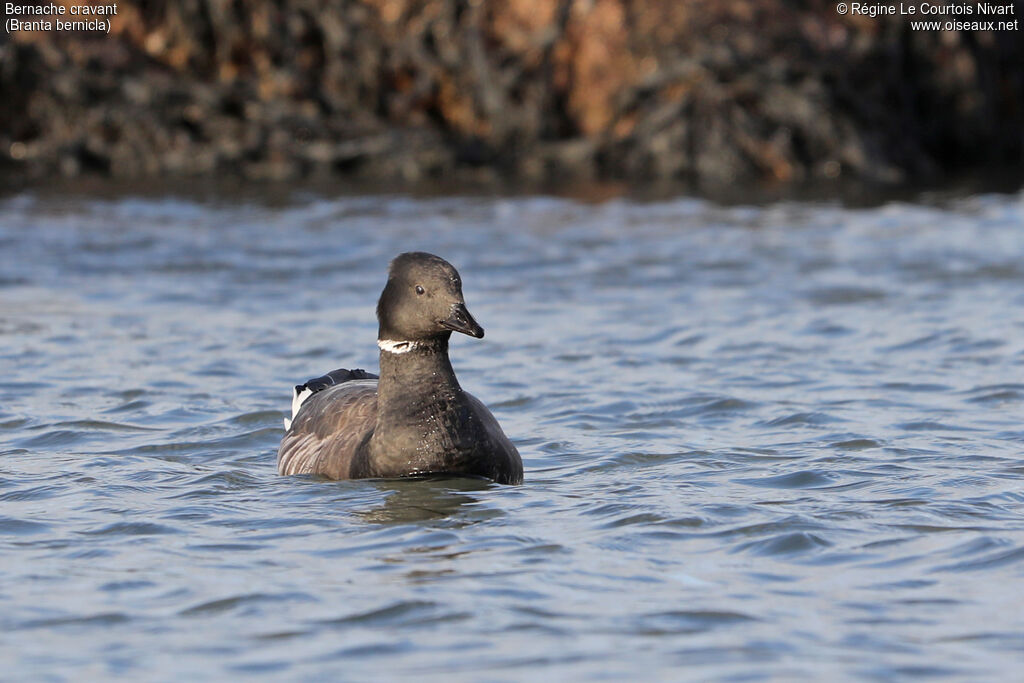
x,y
419,289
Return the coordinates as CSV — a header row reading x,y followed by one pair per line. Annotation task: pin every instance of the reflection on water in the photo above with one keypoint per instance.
x,y
777,442
422,499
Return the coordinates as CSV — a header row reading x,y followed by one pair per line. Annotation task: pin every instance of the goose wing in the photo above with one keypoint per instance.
x,y
328,428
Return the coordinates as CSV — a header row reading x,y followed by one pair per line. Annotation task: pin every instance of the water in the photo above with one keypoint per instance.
x,y
760,443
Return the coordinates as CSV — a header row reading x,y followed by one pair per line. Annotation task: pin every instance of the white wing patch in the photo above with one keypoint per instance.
x,y
297,400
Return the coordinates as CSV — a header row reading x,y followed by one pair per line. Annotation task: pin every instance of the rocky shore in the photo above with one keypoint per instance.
x,y
538,90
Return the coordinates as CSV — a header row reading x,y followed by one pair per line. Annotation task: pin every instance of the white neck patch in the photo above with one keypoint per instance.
x,y
392,346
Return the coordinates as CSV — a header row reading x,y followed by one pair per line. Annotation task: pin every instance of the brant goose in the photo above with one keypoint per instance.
x,y
414,419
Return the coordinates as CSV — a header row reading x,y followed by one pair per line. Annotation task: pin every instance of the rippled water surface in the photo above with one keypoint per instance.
x,y
782,442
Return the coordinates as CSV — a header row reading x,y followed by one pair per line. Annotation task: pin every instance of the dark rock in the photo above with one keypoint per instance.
x,y
705,91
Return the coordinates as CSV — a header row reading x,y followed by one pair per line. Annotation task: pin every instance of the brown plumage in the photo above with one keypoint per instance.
x,y
415,419
327,430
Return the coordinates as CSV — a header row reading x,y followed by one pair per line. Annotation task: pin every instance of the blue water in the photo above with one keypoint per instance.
x,y
781,442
